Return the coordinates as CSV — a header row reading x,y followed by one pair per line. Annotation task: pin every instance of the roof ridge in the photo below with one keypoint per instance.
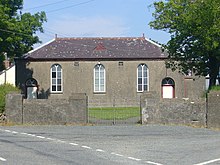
x,y
99,38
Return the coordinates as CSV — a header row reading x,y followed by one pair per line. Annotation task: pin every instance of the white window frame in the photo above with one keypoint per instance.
x,y
56,79
142,78
99,90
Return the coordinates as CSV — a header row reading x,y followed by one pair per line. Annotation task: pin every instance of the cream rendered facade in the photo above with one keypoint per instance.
x,y
120,80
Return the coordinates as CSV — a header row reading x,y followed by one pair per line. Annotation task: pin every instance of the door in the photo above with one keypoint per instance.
x,y
168,92
31,92
168,88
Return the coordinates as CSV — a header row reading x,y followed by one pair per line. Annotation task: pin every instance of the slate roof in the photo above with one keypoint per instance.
x,y
97,48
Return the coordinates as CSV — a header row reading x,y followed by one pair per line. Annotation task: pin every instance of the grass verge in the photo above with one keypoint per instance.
x,y
118,113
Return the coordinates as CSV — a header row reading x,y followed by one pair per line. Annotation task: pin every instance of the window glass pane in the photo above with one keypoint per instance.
x,y
53,81
59,88
53,74
139,73
96,71
96,76
102,69
58,68
102,81
139,67
59,81
102,88
164,82
53,88
96,68
145,73
170,81
96,81
145,87
58,74
139,80
96,88
145,81
139,87
53,69
102,74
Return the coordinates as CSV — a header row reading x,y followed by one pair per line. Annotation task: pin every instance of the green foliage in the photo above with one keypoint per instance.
x,y
5,89
17,30
2,67
195,35
215,88
111,113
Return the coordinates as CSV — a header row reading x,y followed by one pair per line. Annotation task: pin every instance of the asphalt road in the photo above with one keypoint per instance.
x,y
109,145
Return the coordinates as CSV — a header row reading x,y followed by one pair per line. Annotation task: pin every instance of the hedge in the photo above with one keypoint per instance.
x,y
4,90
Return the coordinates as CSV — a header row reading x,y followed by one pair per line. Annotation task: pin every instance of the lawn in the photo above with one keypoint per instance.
x,y
117,113
215,88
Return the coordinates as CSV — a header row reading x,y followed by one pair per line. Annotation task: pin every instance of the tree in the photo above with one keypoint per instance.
x,y
17,30
194,26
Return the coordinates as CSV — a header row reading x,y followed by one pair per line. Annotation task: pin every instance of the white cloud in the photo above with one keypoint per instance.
x,y
99,26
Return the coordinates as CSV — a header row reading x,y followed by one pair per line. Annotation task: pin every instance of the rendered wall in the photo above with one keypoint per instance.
x,y
8,76
121,80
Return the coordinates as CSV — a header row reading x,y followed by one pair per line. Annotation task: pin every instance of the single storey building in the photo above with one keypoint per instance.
x,y
106,69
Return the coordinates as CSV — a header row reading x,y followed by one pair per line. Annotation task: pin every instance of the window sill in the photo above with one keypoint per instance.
x,y
142,91
99,93
56,92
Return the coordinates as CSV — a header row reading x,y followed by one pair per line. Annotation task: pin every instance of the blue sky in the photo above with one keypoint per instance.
x,y
96,18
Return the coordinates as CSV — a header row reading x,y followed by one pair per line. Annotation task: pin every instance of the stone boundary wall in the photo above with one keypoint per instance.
x,y
213,109
172,111
46,111
154,110
204,112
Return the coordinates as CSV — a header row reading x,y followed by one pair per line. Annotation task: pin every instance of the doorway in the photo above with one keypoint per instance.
x,y
31,88
168,88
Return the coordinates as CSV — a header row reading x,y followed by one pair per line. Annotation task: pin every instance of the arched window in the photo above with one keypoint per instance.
x,y
168,88
56,78
142,78
99,78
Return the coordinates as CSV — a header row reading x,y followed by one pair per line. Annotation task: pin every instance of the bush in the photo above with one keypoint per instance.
x,y
5,89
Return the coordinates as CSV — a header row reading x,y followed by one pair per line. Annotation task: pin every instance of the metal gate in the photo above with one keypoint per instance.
x,y
127,112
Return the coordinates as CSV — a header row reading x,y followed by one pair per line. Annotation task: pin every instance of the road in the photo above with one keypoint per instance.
x,y
109,145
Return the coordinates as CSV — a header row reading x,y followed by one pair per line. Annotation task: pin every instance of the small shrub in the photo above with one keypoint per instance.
x,y
4,90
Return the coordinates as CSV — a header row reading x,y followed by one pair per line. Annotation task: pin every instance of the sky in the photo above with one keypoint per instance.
x,y
96,18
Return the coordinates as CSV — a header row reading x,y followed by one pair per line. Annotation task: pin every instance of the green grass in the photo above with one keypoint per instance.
x,y
215,88
117,113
